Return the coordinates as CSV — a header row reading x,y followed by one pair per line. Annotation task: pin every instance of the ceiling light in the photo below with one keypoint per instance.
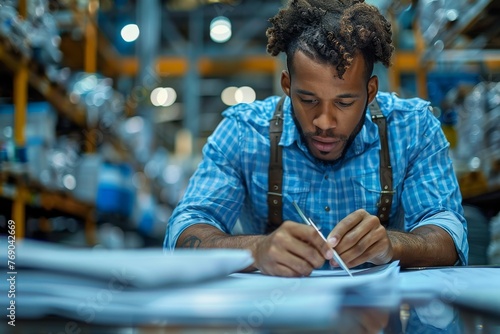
x,y
171,97
245,94
164,97
130,32
220,29
228,95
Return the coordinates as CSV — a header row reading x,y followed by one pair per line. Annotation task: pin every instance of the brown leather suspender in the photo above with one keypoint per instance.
x,y
275,176
275,182
385,202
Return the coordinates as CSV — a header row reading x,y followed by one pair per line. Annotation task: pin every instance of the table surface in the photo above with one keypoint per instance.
x,y
411,316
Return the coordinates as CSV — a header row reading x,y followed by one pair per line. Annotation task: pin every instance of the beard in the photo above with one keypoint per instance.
x,y
348,140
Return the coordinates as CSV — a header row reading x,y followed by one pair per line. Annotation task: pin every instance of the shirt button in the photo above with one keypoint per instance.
x,y
326,177
327,208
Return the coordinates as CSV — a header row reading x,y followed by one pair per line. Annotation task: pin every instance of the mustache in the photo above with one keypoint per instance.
x,y
325,133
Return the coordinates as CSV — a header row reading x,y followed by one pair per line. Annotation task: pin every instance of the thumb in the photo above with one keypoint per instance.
x,y
333,239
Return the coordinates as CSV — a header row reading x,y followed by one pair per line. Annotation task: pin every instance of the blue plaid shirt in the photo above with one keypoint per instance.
x,y
229,188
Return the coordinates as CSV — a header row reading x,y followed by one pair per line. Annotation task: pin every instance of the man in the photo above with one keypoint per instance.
x,y
331,158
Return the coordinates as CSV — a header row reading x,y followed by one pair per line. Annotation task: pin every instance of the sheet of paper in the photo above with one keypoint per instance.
x,y
376,286
334,278
225,301
450,279
142,268
466,285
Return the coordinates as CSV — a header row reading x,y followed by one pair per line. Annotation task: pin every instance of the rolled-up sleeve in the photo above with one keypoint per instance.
x,y
215,192
431,193
452,224
181,222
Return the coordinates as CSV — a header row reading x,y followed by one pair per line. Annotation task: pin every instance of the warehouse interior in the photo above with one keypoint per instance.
x,y
105,105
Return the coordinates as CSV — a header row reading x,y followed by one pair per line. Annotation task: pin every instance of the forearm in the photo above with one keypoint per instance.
x,y
425,246
207,236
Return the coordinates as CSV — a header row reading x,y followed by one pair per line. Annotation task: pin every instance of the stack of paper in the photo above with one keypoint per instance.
x,y
473,287
195,287
91,283
140,268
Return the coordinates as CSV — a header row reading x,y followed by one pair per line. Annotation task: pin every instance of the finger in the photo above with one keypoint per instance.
x,y
297,240
344,226
308,253
280,262
360,239
281,270
300,242
296,266
309,235
359,253
373,245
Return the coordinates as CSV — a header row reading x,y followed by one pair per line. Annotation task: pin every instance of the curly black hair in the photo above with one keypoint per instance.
x,y
332,32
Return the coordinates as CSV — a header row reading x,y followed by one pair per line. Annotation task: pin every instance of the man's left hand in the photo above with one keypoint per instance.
x,y
360,238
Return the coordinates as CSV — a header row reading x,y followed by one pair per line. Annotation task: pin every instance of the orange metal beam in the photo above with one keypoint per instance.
x,y
178,66
23,8
492,64
18,211
20,103
259,64
406,61
174,66
90,59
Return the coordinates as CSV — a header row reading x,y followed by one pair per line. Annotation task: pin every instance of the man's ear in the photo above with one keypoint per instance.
x,y
372,88
285,82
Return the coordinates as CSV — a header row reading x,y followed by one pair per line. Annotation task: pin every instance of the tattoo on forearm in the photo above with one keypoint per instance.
x,y
191,242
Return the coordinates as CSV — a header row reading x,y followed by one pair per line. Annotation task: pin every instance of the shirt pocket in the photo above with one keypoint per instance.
x,y
366,189
294,188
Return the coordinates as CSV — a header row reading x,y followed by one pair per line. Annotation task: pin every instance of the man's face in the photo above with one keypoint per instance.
x,y
328,110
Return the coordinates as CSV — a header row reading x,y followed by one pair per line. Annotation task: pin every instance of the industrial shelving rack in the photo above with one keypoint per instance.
x,y
23,192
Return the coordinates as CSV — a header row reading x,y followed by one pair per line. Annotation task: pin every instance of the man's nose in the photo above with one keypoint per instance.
x,y
326,118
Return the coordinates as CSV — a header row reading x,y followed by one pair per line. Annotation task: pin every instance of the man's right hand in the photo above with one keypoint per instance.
x,y
292,250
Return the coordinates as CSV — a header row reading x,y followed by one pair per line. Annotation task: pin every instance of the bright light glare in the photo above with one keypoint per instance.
x,y
130,32
171,97
158,96
228,96
69,181
245,94
164,97
220,29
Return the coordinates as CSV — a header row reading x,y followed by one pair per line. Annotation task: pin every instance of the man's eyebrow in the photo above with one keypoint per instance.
x,y
305,92
340,96
348,96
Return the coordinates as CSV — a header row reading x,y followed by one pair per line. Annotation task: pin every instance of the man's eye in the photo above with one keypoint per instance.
x,y
309,101
345,104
